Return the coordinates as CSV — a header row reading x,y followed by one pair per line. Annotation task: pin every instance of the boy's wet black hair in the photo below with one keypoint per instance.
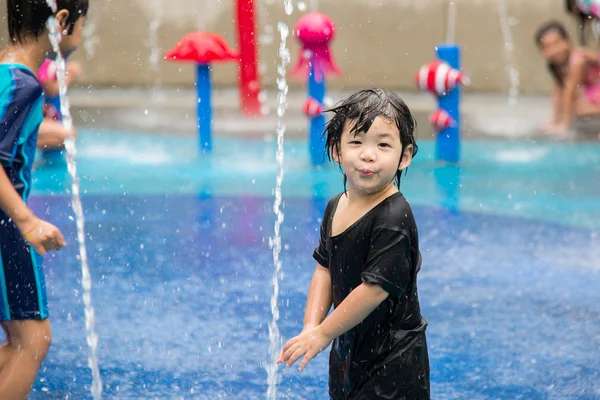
x,y
552,26
27,18
361,109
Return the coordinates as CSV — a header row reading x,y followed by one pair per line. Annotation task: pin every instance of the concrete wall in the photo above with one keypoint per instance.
x,y
379,42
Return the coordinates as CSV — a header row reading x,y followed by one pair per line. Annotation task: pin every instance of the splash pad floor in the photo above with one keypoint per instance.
x,y
178,247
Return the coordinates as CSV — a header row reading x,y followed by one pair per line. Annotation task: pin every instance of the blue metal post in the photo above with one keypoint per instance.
x,y
448,141
447,177
316,90
204,107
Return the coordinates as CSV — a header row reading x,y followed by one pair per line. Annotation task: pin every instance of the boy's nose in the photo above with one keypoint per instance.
x,y
367,155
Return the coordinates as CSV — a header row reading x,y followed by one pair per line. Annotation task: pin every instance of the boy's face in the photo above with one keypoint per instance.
x,y
371,160
69,43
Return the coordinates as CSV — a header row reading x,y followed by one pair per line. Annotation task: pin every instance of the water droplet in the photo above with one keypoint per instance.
x,y
289,7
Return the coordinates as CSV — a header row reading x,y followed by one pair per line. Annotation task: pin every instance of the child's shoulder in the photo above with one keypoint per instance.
x,y
582,55
395,213
333,200
19,77
332,203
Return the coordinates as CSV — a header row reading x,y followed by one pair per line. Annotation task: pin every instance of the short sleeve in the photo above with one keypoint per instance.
x,y
20,115
9,140
388,263
321,254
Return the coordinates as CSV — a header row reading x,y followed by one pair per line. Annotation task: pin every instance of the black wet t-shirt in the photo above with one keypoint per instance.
x,y
385,356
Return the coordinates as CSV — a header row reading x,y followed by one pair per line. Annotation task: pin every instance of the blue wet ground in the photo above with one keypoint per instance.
x,y
181,265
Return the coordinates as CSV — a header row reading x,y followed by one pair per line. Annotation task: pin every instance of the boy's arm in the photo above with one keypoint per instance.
x,y
52,135
42,235
319,298
356,306
51,88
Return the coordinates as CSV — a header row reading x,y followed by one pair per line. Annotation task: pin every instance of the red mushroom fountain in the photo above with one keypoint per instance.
x,y
202,48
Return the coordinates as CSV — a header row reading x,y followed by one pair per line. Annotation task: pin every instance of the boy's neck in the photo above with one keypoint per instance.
x,y
359,199
30,52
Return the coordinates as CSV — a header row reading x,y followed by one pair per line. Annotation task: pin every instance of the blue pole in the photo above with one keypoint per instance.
x,y
316,90
448,141
447,177
204,107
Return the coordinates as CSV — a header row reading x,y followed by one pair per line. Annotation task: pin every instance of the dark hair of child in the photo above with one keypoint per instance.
x,y
27,18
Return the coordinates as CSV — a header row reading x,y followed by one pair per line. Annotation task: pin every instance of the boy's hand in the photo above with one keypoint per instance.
x,y
308,343
42,235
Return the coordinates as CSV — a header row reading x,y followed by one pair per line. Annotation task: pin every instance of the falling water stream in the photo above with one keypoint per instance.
x,y
86,280
509,52
153,35
275,242
451,22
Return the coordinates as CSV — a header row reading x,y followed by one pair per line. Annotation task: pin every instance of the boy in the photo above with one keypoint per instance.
x,y
367,261
24,238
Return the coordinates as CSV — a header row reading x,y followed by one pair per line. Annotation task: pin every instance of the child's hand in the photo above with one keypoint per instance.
x,y
555,128
308,343
546,127
42,235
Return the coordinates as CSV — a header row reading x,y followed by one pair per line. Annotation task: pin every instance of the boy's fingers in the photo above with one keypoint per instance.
x,y
280,357
288,345
290,352
60,240
295,356
40,249
307,357
284,348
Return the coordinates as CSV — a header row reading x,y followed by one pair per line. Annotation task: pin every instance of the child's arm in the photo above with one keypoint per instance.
x,y
556,104
556,110
40,234
52,135
319,298
568,96
356,306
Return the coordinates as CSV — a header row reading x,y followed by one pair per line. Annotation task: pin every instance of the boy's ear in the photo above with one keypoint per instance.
x,y
336,154
407,156
62,16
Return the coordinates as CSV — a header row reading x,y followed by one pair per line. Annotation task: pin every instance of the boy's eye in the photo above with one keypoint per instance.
x,y
355,142
384,145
